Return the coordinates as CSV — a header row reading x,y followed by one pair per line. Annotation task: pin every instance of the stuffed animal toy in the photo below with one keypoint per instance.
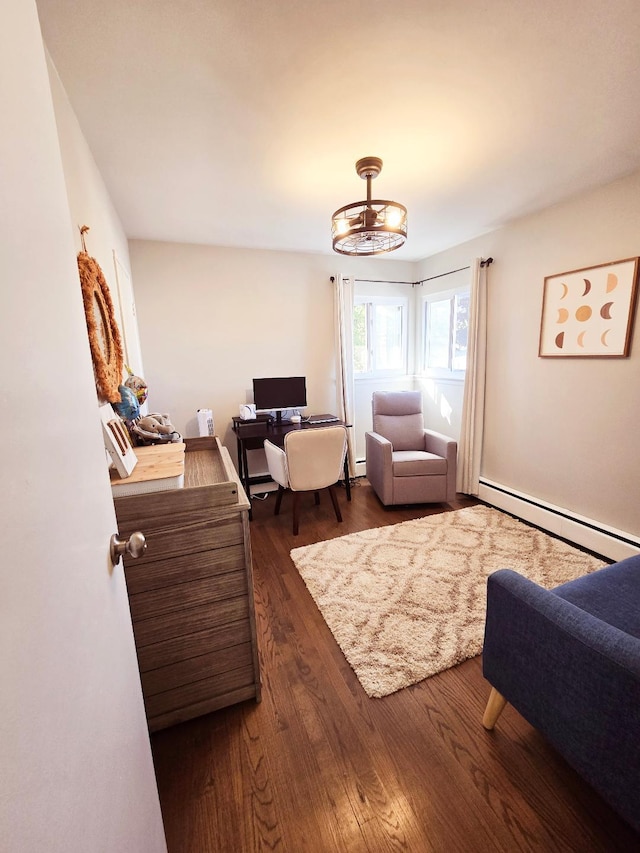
x,y
137,385
128,408
155,428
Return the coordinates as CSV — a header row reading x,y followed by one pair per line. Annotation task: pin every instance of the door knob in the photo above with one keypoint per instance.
x,y
135,546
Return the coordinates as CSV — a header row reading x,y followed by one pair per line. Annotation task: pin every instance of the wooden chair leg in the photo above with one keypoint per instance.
x,y
317,497
334,501
295,513
276,509
495,706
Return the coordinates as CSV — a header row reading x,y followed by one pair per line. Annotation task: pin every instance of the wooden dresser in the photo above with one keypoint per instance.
x,y
191,592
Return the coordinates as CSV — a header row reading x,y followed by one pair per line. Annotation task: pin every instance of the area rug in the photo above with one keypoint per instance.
x,y
407,601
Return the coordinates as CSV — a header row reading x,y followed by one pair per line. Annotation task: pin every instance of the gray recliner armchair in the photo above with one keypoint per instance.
x,y
406,463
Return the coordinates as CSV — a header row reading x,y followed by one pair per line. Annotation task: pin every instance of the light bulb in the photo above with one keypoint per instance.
x,y
393,217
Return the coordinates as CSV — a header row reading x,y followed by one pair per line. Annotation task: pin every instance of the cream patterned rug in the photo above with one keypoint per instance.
x,y
407,601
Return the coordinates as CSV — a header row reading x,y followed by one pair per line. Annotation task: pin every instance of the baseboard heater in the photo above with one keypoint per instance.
x,y
585,532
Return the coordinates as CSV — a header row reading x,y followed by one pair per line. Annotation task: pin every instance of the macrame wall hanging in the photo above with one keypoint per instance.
x,y
104,336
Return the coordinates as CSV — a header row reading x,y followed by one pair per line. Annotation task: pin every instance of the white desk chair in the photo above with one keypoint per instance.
x,y
312,459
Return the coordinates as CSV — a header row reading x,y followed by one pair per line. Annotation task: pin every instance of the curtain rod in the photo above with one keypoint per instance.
x,y
441,275
483,263
383,281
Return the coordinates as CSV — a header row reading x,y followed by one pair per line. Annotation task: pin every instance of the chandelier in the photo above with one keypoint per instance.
x,y
369,227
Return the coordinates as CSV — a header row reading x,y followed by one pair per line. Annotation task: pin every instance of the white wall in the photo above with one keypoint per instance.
x,y
211,319
562,430
77,773
90,204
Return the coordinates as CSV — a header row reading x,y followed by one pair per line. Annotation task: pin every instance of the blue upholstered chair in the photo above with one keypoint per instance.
x,y
568,660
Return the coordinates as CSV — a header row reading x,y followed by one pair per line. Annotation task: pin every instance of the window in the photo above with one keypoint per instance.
x,y
379,335
446,326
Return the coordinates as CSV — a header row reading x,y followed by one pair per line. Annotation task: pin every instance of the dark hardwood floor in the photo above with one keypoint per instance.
x,y
318,766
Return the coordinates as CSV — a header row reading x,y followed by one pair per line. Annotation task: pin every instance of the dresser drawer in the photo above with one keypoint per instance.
x,y
196,669
197,691
183,569
181,596
184,622
204,706
173,542
194,644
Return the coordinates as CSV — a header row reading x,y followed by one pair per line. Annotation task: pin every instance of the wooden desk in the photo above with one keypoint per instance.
x,y
250,435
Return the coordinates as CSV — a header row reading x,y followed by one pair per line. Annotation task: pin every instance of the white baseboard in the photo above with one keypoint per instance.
x,y
585,532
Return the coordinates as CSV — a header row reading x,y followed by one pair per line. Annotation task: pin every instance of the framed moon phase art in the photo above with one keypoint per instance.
x,y
589,312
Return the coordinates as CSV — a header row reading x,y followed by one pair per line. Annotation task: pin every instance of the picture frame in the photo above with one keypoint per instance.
x,y
589,312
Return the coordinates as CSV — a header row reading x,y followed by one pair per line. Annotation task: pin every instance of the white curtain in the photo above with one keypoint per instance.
x,y
471,431
343,305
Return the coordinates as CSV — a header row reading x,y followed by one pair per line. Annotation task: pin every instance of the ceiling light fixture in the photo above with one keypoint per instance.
x,y
369,227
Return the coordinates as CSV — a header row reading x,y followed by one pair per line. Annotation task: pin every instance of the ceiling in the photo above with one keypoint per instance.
x,y
239,122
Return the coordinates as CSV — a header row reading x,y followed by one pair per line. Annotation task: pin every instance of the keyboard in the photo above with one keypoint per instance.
x,y
323,419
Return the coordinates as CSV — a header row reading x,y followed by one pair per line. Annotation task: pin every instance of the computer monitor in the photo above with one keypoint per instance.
x,y
278,393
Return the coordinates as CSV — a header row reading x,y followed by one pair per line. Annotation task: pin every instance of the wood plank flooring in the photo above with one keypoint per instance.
x,y
318,766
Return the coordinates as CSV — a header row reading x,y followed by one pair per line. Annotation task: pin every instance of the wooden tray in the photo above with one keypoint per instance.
x,y
154,463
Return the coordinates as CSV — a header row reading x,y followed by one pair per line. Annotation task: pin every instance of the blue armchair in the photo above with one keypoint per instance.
x,y
568,660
